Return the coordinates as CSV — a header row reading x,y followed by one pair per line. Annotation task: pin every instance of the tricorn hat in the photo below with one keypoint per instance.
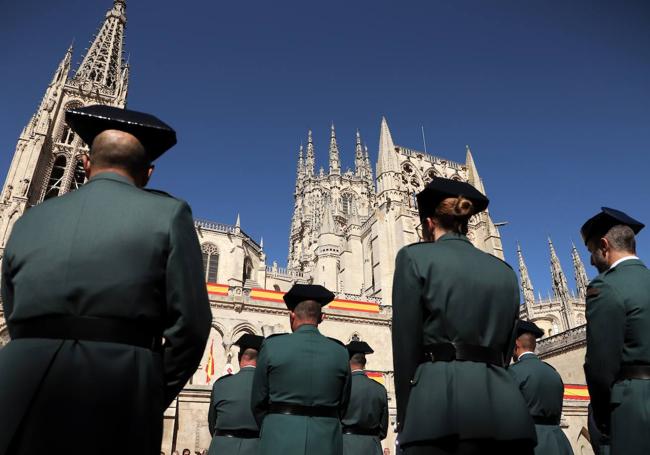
x,y
358,347
440,188
155,135
301,292
599,224
528,327
248,341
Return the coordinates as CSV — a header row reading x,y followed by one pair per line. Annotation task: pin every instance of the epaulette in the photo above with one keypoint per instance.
x,y
424,242
504,261
160,192
337,341
550,366
275,335
224,376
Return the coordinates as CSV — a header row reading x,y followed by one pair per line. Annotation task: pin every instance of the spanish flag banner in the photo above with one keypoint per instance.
x,y
209,366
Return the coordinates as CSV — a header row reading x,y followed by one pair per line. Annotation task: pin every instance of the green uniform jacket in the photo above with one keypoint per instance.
x,y
107,250
450,291
304,368
618,333
367,410
543,390
230,409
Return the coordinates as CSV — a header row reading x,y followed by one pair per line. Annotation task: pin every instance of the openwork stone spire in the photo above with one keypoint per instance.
x,y
335,163
526,284
102,65
560,287
359,161
579,270
310,161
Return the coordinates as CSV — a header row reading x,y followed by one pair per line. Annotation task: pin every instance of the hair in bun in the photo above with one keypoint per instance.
x,y
454,213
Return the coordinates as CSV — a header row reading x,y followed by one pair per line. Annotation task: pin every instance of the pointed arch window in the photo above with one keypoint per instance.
x,y
248,269
67,135
79,176
210,262
346,203
55,183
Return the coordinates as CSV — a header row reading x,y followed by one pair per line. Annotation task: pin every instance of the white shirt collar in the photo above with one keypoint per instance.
x,y
523,354
625,258
356,370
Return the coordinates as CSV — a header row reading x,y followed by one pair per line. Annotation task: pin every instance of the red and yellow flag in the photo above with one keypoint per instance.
x,y
209,366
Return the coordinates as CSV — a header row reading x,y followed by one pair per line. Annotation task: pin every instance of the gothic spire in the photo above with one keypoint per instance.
x,y
560,287
579,271
367,163
472,172
310,161
526,284
335,164
388,167
359,162
387,159
102,64
300,161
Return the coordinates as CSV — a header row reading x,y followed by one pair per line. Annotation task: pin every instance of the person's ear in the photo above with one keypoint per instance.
x,y
322,318
603,244
85,162
150,171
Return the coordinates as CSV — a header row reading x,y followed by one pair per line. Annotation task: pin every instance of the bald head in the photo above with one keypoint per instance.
x,y
114,149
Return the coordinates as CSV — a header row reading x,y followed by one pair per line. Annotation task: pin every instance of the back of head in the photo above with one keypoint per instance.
x,y
621,238
453,214
114,149
527,341
358,359
308,312
248,356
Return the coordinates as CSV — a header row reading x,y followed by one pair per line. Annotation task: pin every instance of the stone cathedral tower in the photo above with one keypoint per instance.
x,y
46,162
347,227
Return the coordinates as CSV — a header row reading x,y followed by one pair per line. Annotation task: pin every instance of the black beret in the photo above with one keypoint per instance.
x,y
528,327
599,224
358,347
301,292
440,188
248,341
156,136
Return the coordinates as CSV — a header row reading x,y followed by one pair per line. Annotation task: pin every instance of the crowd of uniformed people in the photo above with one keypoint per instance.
x,y
108,316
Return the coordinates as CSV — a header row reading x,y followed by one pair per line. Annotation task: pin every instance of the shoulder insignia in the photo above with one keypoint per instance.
x,y
159,192
593,292
273,335
337,341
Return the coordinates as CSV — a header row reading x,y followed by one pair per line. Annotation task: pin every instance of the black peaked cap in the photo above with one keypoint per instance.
x,y
599,224
358,347
440,188
301,292
528,327
156,136
248,341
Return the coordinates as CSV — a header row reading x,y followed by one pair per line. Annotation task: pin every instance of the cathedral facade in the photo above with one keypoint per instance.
x,y
346,229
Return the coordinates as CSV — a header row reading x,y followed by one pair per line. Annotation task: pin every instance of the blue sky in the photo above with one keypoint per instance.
x,y
552,96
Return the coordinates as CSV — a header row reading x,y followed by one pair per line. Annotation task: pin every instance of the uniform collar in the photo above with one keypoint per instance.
x,y
527,355
307,328
112,176
626,258
453,236
247,368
